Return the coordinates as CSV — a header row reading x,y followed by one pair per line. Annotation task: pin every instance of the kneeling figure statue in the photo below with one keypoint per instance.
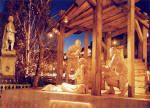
x,y
116,73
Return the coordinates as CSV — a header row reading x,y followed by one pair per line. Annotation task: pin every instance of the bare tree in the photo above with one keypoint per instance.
x,y
32,21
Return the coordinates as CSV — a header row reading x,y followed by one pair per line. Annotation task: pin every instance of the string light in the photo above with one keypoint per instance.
x,y
55,30
114,42
66,19
50,34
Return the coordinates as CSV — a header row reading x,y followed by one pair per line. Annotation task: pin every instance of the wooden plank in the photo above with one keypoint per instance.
x,y
108,44
140,50
80,9
83,15
86,45
89,12
96,50
81,21
144,22
138,30
80,2
111,13
130,48
117,16
145,31
69,14
92,3
118,32
115,24
90,17
70,32
60,53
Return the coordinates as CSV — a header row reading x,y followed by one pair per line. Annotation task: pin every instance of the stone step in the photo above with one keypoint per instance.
x,y
139,67
139,85
140,78
140,90
138,74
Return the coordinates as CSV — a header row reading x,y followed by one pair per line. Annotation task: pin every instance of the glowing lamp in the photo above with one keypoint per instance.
x,y
66,19
114,42
55,30
50,34
147,34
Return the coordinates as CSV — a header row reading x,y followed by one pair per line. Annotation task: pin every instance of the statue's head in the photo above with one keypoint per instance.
x,y
10,19
77,43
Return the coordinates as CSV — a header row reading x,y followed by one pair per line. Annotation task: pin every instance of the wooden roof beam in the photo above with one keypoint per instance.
x,y
92,3
118,32
86,18
144,22
139,31
79,10
70,32
90,12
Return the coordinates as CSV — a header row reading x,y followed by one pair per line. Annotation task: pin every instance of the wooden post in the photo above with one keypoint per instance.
x,y
140,49
145,31
60,55
86,45
96,49
130,48
108,43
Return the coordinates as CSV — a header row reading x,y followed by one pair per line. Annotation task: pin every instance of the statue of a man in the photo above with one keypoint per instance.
x,y
116,73
72,55
9,34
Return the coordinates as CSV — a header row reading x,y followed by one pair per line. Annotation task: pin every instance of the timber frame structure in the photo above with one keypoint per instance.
x,y
104,18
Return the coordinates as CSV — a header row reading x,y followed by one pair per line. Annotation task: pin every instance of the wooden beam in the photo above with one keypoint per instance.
x,y
83,15
80,21
130,48
70,32
108,44
80,9
144,22
138,30
90,17
118,32
86,45
60,54
145,32
96,50
117,16
92,3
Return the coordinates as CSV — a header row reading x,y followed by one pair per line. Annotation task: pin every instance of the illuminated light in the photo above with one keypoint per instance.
x,y
89,51
114,42
147,34
65,57
66,19
50,34
55,30
53,68
70,104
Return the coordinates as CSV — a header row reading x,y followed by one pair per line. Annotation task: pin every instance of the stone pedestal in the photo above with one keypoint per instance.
x,y
7,64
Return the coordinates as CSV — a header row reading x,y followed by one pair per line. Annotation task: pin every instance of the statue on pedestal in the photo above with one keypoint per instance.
x,y
9,35
72,55
8,58
116,73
